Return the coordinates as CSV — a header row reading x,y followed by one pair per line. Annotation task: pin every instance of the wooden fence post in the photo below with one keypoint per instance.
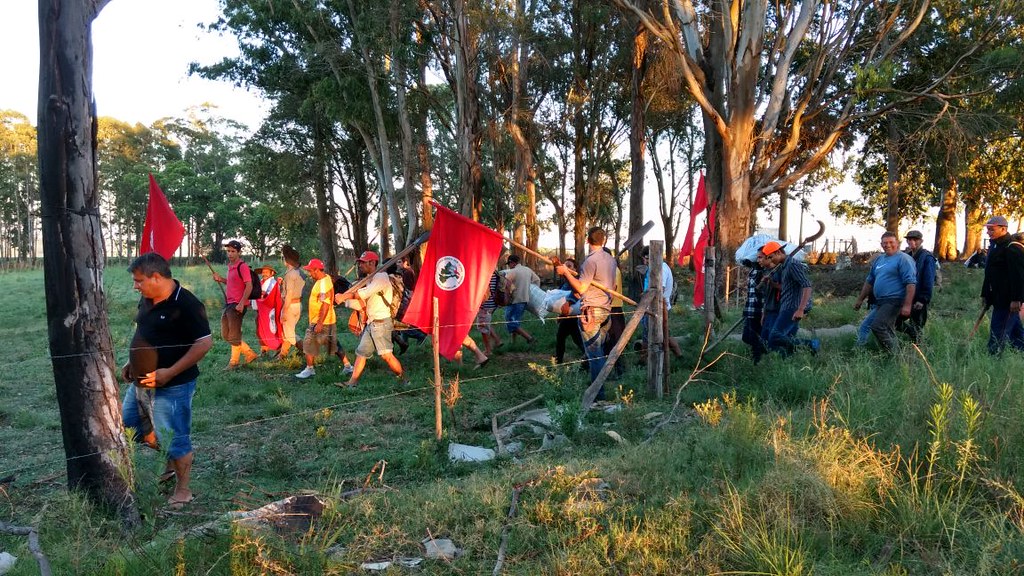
x,y
655,324
437,374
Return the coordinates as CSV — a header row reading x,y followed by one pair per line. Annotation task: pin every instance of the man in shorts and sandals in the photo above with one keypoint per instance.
x,y
374,300
322,333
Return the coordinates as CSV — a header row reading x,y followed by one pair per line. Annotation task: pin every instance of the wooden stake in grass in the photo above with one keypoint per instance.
x,y
591,392
437,373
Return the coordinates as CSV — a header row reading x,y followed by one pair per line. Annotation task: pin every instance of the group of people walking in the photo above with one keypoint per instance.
x,y
898,290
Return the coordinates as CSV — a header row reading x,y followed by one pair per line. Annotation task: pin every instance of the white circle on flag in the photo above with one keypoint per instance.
x,y
449,273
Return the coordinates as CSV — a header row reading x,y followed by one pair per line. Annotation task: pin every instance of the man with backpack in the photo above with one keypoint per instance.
x,y
240,287
375,299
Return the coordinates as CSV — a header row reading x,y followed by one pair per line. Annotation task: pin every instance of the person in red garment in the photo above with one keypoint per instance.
x,y
268,312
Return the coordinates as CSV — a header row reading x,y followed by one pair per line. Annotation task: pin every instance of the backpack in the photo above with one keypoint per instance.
x,y
257,282
503,293
397,294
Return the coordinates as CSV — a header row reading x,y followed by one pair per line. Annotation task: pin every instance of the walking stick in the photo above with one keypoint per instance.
x,y
407,250
977,323
219,285
555,262
723,336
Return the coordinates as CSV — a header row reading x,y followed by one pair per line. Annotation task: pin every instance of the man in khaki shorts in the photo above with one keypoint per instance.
x,y
321,334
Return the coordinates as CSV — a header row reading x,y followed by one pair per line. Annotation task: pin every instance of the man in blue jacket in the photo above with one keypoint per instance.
x,y
924,262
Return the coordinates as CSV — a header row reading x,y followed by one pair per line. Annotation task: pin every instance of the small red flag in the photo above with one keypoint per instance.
x,y
457,266
162,232
698,258
700,204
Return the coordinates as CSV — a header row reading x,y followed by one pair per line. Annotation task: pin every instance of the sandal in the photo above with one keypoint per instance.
x,y
176,504
167,477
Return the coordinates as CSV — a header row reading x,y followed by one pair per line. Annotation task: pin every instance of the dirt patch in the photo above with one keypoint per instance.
x,y
837,283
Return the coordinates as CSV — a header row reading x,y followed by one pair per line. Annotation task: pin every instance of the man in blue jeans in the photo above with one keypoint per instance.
x,y
595,303
172,334
794,293
1003,287
893,281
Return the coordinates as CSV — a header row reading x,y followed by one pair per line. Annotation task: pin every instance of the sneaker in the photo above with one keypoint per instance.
x,y
347,369
307,372
815,346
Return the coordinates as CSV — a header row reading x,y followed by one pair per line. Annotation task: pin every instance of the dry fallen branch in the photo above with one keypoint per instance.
x,y
494,419
33,544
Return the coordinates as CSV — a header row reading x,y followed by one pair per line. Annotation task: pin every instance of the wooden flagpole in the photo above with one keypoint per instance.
x,y
437,372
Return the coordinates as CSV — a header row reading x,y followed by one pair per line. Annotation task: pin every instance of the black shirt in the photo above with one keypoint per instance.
x,y
164,332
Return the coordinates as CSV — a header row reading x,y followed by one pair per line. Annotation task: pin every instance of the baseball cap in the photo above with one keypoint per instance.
x,y
997,221
770,247
314,264
368,257
914,235
233,244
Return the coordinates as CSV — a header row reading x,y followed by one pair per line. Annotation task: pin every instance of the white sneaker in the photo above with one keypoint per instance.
x,y
347,369
307,372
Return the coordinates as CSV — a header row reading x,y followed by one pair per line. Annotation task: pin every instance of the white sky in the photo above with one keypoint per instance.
x,y
141,53
142,49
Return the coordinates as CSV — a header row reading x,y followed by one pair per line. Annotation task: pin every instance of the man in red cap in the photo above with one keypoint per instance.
x,y
1003,287
322,330
374,299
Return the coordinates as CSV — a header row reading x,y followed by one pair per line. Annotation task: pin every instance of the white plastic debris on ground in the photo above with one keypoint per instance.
x,y
466,453
6,562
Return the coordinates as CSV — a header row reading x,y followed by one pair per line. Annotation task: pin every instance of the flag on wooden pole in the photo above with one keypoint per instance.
x,y
162,232
703,242
457,266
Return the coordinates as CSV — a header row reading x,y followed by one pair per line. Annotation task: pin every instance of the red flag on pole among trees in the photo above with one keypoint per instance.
x,y
460,257
162,232
700,204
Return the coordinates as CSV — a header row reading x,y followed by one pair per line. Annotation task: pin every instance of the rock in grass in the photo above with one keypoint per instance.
x,y
441,549
7,562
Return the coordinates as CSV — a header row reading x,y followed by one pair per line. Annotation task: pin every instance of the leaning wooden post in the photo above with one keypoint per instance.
x,y
591,392
709,286
655,331
437,373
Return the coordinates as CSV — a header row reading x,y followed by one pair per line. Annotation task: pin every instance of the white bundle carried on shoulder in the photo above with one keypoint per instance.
x,y
746,254
536,302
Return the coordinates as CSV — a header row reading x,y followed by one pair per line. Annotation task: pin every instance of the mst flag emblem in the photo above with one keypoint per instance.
x,y
460,257
450,273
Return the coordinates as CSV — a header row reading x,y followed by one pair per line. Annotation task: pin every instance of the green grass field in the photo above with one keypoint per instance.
x,y
851,462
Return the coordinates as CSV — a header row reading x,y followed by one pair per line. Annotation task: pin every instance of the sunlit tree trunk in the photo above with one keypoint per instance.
x,y
974,223
80,344
945,225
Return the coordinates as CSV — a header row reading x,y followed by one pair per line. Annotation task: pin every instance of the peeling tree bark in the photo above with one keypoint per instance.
x,y
945,225
80,343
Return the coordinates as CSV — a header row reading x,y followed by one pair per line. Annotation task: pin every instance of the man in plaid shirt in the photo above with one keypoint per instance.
x,y
754,308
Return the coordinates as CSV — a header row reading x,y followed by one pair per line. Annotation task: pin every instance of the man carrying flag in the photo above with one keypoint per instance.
x,y
456,269
162,232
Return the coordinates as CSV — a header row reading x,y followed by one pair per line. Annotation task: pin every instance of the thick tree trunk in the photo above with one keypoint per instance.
x,y
361,214
945,225
892,211
974,223
637,142
324,221
80,343
468,111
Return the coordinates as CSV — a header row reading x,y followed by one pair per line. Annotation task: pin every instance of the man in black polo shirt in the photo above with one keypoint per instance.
x,y
172,334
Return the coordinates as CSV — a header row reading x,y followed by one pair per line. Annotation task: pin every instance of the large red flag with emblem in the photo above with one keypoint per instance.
x,y
461,255
162,232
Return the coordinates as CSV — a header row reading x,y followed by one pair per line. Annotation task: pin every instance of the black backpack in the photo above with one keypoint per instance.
x,y
257,282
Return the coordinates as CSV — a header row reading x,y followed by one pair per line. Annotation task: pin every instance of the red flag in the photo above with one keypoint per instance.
x,y
700,204
698,258
456,270
162,232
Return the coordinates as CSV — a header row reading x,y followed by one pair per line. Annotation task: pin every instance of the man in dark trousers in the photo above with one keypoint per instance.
x,y
893,281
913,325
172,334
1003,287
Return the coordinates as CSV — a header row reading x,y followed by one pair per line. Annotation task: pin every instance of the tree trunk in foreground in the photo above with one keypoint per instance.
x,y
98,461
945,225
